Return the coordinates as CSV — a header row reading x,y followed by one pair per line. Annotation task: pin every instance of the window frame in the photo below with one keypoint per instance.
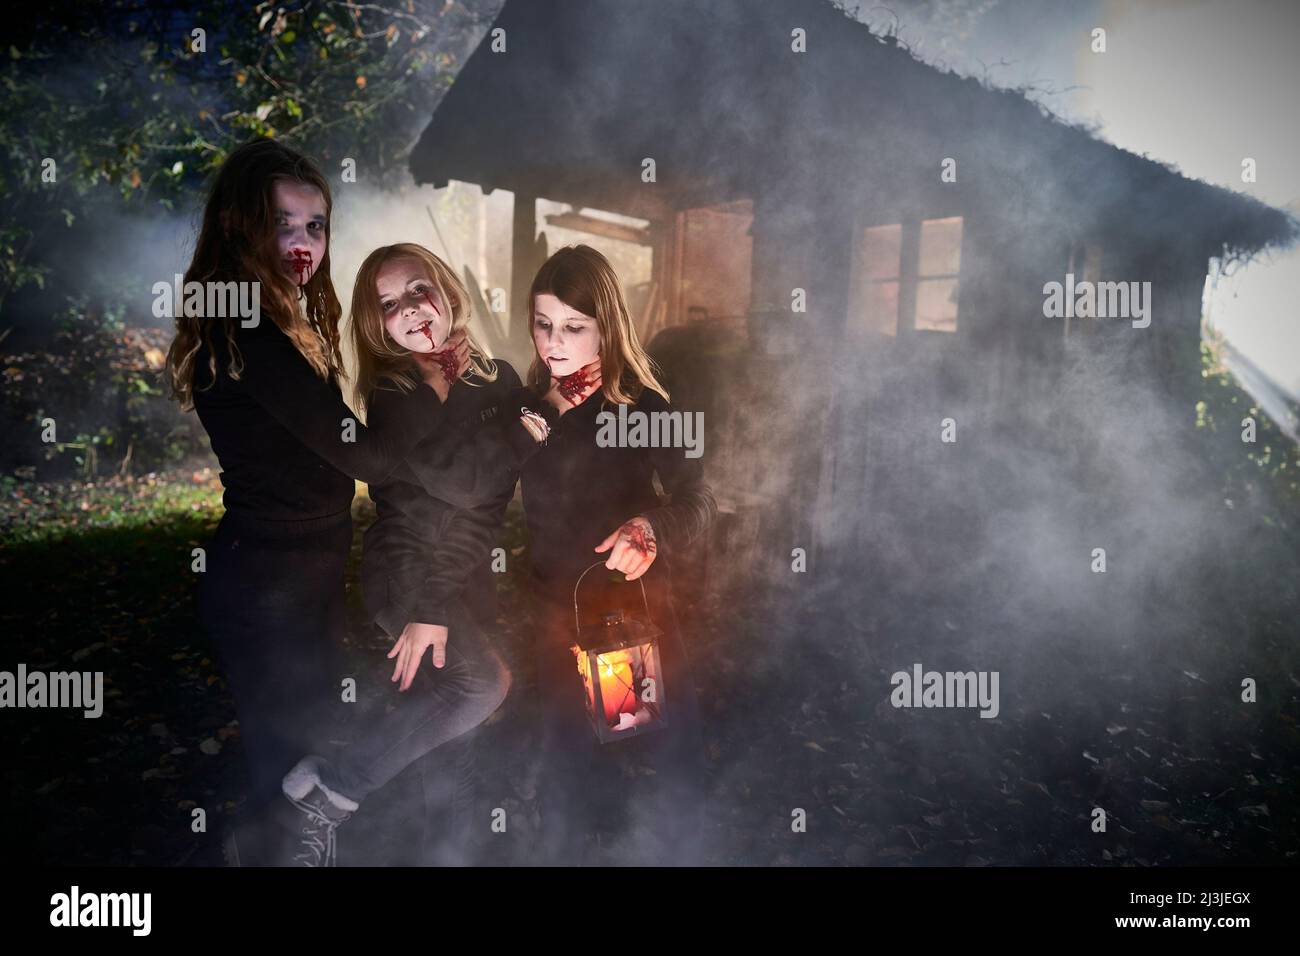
x,y
908,277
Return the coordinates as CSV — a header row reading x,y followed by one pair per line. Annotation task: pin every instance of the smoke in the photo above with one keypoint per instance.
x,y
975,554
984,553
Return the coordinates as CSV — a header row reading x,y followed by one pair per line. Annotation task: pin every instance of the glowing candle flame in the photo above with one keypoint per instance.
x,y
616,685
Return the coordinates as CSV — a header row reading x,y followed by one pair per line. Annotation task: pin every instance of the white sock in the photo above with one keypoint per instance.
x,y
305,774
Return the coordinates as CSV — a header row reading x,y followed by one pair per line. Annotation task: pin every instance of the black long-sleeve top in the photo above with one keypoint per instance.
x,y
575,493
282,433
439,513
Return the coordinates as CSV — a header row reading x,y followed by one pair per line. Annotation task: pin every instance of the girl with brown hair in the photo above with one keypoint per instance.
x,y
583,500
426,563
271,595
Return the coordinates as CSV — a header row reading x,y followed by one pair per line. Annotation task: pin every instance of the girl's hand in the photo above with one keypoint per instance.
x,y
536,425
634,548
431,367
410,648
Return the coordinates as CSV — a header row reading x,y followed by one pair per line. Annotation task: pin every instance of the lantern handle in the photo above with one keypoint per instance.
x,y
577,628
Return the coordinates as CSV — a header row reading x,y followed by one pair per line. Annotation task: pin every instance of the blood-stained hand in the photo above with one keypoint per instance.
x,y
443,368
410,647
634,547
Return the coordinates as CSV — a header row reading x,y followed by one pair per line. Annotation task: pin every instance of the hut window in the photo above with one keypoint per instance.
x,y
879,260
906,276
938,268
1085,266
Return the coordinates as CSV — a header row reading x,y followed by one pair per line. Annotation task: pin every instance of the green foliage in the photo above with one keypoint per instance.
x,y
1267,471
117,96
104,380
47,512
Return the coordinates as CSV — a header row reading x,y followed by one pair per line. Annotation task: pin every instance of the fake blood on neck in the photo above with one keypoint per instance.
x,y
572,386
446,357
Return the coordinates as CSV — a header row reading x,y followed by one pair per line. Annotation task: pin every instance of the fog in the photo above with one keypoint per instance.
x,y
979,553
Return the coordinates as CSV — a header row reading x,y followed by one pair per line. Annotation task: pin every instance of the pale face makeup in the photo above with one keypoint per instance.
x,y
565,339
415,313
299,228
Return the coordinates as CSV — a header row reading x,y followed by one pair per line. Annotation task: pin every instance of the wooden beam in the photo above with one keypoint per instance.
x,y
522,265
602,227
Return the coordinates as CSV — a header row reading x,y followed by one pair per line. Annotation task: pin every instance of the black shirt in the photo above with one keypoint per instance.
x,y
440,511
576,493
288,444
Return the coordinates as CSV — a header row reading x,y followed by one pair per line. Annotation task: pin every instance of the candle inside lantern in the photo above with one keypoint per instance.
x,y
617,689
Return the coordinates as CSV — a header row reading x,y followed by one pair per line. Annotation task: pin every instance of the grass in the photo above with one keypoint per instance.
x,y
1148,724
41,513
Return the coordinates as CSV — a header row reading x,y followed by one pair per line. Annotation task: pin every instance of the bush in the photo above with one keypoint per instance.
x,y
1266,473
92,402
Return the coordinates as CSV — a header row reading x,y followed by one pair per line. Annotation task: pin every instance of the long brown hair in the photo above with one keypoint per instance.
x,y
582,278
378,356
237,242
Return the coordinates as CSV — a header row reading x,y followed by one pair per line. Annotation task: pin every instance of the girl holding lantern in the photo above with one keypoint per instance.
x,y
587,503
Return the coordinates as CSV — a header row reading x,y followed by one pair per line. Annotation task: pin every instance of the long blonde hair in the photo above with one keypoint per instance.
x,y
379,358
237,243
582,278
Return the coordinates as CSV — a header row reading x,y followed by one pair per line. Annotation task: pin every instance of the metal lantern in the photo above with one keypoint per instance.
x,y
618,661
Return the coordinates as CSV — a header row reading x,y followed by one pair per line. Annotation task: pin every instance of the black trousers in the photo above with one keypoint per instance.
x,y
272,603
387,731
586,787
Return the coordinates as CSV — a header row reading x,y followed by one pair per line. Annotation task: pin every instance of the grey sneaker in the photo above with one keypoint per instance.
x,y
296,831
314,843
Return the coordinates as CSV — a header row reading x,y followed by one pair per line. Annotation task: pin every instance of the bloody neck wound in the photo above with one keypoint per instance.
x,y
572,386
446,357
447,361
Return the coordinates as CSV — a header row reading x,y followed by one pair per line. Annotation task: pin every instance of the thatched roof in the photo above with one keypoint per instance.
x,y
586,89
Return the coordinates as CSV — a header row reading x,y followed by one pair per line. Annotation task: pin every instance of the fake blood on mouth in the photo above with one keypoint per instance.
x,y
446,357
301,264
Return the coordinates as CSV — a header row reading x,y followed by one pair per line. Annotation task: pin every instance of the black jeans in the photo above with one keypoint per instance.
x,y
655,819
391,730
271,601
455,825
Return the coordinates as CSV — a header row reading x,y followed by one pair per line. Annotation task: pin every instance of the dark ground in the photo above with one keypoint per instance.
x,y
1146,723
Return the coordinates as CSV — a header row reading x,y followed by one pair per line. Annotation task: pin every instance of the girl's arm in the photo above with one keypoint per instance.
x,y
692,507
279,379
634,545
424,583
470,465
